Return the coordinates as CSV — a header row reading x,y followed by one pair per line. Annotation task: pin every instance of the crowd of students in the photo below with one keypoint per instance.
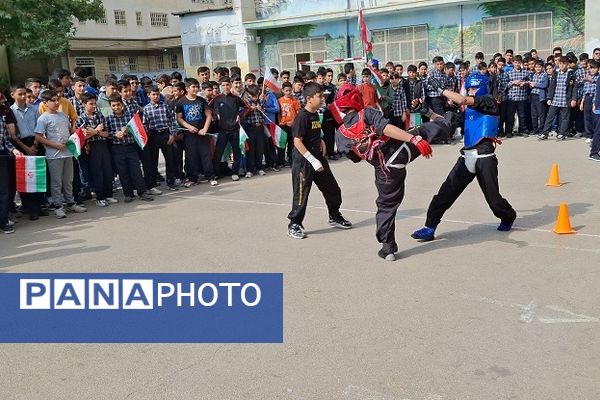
x,y
193,121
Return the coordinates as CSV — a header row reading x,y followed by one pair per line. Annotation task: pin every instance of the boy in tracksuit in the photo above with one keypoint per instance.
x,y
562,95
227,108
309,164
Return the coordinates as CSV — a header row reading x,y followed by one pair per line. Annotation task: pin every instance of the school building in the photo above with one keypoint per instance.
x,y
280,33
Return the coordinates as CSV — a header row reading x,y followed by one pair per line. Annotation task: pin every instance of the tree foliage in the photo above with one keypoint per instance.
x,y
568,15
34,28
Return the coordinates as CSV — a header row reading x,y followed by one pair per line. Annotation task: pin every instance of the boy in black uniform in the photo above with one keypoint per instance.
x,y
367,135
477,158
309,164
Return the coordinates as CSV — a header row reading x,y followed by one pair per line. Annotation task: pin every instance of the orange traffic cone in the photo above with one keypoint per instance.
x,y
563,221
554,178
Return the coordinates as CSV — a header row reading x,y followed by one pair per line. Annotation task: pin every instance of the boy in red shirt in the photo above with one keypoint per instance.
x,y
289,107
367,89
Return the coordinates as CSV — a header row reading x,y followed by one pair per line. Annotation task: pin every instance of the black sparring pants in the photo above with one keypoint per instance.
x,y
390,189
303,175
486,171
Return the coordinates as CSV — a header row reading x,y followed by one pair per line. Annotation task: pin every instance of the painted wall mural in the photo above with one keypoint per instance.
x,y
443,24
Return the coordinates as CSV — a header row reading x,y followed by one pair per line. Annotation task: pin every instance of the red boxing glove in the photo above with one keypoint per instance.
x,y
422,145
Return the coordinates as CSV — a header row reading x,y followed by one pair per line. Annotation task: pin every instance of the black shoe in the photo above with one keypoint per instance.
x,y
340,222
160,178
295,232
386,256
34,217
43,213
334,157
594,157
146,197
83,196
7,229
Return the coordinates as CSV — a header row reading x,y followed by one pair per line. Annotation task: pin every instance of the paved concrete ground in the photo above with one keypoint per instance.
x,y
476,314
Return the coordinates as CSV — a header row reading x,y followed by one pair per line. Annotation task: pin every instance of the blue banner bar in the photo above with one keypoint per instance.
x,y
141,308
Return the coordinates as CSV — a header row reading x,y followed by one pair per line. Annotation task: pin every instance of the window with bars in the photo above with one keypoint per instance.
x,y
113,64
133,64
197,55
174,61
85,61
160,62
120,17
290,51
520,33
159,19
102,19
407,45
223,56
138,18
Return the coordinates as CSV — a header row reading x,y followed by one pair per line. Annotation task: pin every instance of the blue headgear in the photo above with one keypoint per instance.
x,y
478,81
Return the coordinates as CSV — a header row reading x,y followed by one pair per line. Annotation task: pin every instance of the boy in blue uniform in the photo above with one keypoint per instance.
x,y
477,159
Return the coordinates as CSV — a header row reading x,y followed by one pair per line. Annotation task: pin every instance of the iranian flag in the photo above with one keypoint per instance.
x,y
277,135
365,33
413,121
243,138
31,174
270,82
136,129
76,142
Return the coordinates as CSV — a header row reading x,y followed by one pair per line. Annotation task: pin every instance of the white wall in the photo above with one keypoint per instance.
x,y
92,29
217,28
592,28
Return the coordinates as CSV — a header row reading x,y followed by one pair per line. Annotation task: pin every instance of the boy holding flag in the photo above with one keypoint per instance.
x,y
125,152
53,130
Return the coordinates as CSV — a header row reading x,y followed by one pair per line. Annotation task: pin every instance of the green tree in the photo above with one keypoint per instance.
x,y
34,28
568,15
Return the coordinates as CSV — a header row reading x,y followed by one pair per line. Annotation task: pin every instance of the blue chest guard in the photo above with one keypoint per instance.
x,y
479,126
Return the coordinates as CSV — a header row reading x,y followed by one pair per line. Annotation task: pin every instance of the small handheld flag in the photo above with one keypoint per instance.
x,y
270,82
76,142
136,129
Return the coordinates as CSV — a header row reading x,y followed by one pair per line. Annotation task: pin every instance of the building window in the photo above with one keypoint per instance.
x,y
197,55
223,56
102,19
113,64
174,61
138,18
120,17
408,44
159,19
85,61
160,62
291,52
133,64
520,33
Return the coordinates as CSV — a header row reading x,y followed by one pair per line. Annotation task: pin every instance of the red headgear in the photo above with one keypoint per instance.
x,y
349,98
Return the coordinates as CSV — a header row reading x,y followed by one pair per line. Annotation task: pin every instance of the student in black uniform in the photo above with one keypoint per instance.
x,y
366,135
309,164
